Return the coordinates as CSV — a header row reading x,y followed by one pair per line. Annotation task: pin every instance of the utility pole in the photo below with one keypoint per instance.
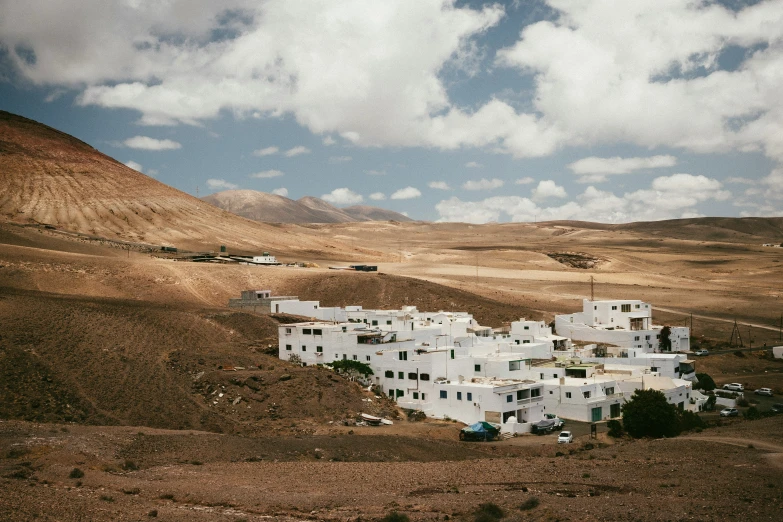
x,y
750,339
592,292
691,325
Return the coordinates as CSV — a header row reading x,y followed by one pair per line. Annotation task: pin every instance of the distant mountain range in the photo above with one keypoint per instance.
x,y
271,208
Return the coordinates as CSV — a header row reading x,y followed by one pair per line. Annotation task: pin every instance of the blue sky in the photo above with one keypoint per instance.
x,y
454,111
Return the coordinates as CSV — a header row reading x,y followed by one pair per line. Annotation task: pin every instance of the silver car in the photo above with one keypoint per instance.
x,y
764,391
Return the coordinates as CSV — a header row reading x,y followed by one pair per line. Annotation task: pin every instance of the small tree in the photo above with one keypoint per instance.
x,y
351,368
615,428
664,342
648,414
705,382
710,404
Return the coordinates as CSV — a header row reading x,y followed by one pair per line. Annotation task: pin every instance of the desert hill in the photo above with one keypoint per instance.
x,y
271,208
49,177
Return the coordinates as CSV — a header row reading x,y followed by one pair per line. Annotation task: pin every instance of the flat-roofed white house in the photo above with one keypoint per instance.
x,y
523,332
626,324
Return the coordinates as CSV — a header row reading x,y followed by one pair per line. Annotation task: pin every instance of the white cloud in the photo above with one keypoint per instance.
x,y
595,170
220,184
548,189
483,184
267,151
406,193
740,180
135,166
474,165
296,151
266,174
328,140
667,197
343,196
147,143
374,172
153,173
340,159
377,196
438,185
282,191
524,181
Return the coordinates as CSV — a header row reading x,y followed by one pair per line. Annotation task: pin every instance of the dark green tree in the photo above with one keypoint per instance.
x,y
705,382
664,343
351,368
648,414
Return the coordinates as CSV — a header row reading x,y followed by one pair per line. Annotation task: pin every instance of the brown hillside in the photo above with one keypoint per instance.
x,y
368,213
49,177
336,215
268,208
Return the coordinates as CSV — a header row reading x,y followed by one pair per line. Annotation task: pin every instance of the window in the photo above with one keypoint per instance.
x,y
653,368
595,308
288,347
476,367
317,331
647,337
459,396
412,376
527,328
513,365
307,331
403,356
658,336
625,308
400,375
423,396
509,398
345,328
444,394
304,348
415,395
391,393
287,331
609,391
424,376
389,374
336,356
345,357
375,323
526,341
452,354
614,308
568,395
388,322
355,357
319,349
636,338
535,392
542,375
368,358
400,393
470,396
586,394
637,306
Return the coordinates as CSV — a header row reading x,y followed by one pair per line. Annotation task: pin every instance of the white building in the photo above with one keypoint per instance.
x,y
625,324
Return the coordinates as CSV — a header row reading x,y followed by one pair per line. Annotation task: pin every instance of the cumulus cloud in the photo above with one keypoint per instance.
x,y
266,174
296,151
377,196
147,143
343,196
474,165
595,170
667,197
220,184
548,189
282,191
328,140
135,166
406,193
266,151
524,181
483,184
439,185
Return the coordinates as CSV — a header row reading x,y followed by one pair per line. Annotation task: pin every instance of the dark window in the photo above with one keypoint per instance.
x,y
403,356
509,398
287,346
307,331
470,396
535,392
400,375
304,348
375,323
527,328
625,308
319,349
443,394
415,395
424,376
422,396
317,331
389,374
388,322
400,393
412,376
459,396
452,354
476,367
355,357
368,357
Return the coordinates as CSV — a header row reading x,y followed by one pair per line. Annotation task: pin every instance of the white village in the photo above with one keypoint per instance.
x,y
448,366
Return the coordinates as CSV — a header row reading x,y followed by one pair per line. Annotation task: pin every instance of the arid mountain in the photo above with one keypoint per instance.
x,y
318,204
49,177
271,208
368,213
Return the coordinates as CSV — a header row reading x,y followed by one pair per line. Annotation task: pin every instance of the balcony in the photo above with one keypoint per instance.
x,y
530,400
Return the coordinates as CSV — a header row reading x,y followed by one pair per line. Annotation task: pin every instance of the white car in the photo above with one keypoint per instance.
x,y
701,353
729,412
764,391
733,386
565,437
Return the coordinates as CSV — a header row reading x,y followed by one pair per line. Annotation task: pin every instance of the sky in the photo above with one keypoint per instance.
x,y
597,110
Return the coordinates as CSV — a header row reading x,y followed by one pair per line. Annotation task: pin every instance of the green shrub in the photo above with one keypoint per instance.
x,y
615,428
743,402
394,516
752,413
489,512
529,504
704,382
690,421
76,473
649,414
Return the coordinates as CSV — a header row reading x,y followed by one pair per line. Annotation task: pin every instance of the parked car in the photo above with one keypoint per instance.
x,y
701,352
543,427
764,391
559,423
565,437
729,412
733,386
776,408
